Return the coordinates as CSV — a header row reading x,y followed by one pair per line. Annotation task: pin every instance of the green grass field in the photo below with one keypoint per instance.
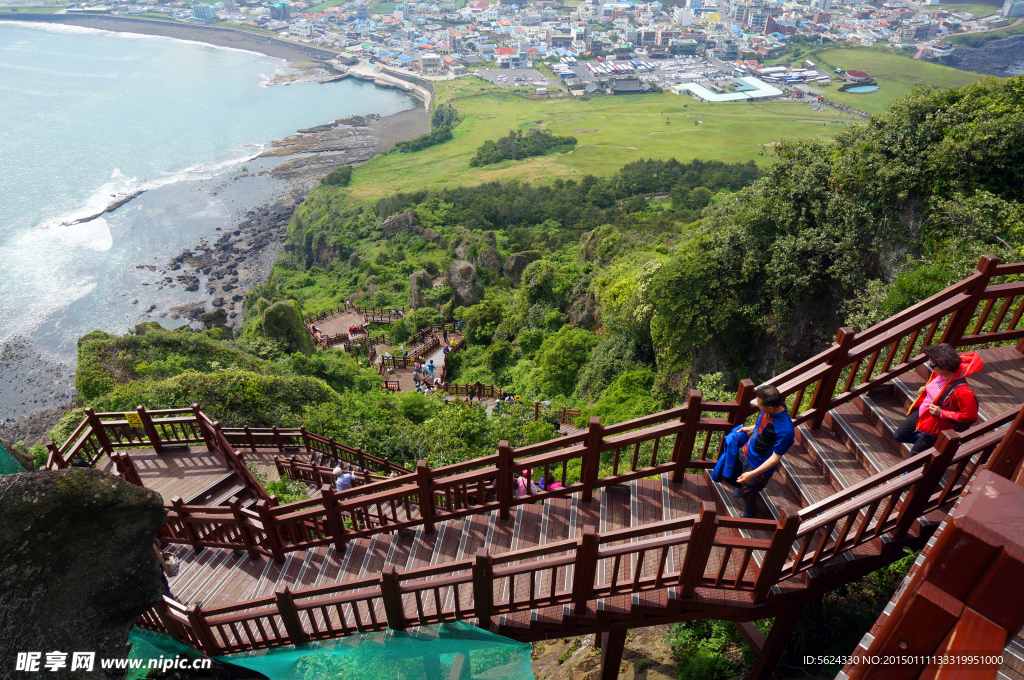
x,y
896,76
611,131
979,8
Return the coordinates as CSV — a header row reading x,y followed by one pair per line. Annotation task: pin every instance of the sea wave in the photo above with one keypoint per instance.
x,y
87,30
113,193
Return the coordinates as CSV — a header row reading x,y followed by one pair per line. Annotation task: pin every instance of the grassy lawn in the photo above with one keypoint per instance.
x,y
979,9
896,76
324,5
611,131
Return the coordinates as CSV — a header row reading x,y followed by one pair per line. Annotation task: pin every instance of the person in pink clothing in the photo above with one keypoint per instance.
x,y
946,402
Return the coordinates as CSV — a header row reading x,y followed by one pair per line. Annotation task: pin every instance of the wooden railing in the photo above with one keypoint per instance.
x,y
701,550
973,312
290,441
364,311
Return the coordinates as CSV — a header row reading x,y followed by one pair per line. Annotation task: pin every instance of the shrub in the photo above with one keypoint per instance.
x,y
338,178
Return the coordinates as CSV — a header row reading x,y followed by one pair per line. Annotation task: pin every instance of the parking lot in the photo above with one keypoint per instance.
x,y
666,71
520,77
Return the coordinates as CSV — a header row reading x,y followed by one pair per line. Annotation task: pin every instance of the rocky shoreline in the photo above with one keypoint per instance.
x,y
242,258
225,265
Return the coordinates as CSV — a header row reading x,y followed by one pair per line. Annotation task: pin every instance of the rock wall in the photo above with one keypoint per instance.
x,y
76,564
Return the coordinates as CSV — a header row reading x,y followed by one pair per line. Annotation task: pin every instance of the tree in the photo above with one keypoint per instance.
x,y
561,357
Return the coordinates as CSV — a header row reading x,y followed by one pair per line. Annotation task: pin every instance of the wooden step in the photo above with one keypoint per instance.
x,y
204,496
875,451
832,457
803,477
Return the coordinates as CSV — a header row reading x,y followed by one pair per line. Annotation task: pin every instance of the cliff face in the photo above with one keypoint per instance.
x,y
76,564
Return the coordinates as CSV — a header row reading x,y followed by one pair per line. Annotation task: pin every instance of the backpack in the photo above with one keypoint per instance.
x,y
944,395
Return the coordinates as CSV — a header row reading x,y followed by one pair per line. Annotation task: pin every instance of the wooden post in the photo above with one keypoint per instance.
x,y
278,440
426,496
961,319
147,425
391,593
776,641
461,667
55,461
612,644
204,431
1010,451
243,527
585,570
827,385
915,502
290,616
483,587
504,489
305,441
592,457
536,411
101,434
776,555
744,395
190,530
249,438
273,540
334,523
201,629
683,449
702,539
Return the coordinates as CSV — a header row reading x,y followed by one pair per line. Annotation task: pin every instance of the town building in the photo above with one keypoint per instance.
x,y
203,14
1013,8
280,11
301,29
431,65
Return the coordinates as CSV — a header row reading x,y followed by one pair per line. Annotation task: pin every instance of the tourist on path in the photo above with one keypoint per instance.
x,y
342,479
771,435
431,367
946,402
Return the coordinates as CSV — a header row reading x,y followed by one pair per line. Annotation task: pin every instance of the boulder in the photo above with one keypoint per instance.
x,y
282,321
417,280
490,239
462,251
396,224
466,290
353,261
517,263
431,236
76,563
490,258
583,312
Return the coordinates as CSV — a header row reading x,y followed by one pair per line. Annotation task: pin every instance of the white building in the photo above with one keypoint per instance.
x,y
431,65
1013,8
301,29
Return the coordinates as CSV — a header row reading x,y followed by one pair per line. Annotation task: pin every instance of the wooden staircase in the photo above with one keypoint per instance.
x,y
638,535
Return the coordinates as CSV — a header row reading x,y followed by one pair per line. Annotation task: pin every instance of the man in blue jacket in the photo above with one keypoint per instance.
x,y
771,435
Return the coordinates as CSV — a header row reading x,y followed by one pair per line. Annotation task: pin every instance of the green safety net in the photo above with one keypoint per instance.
x,y
456,650
9,466
148,644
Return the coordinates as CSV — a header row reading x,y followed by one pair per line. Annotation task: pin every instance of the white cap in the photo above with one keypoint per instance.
x,y
338,470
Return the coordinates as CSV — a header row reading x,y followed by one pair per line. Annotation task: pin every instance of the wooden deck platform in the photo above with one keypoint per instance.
x,y
185,474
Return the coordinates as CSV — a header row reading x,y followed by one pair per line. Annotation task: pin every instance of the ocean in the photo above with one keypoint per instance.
x,y
87,116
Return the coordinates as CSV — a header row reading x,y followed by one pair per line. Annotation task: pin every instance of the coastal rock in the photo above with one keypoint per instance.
x,y
517,263
417,280
466,289
489,258
282,321
217,301
76,561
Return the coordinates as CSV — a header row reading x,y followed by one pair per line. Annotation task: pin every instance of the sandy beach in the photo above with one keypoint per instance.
x,y
221,37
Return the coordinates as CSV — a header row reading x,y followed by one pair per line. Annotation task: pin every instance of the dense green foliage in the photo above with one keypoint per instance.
x,y
444,115
519,145
437,136
338,178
